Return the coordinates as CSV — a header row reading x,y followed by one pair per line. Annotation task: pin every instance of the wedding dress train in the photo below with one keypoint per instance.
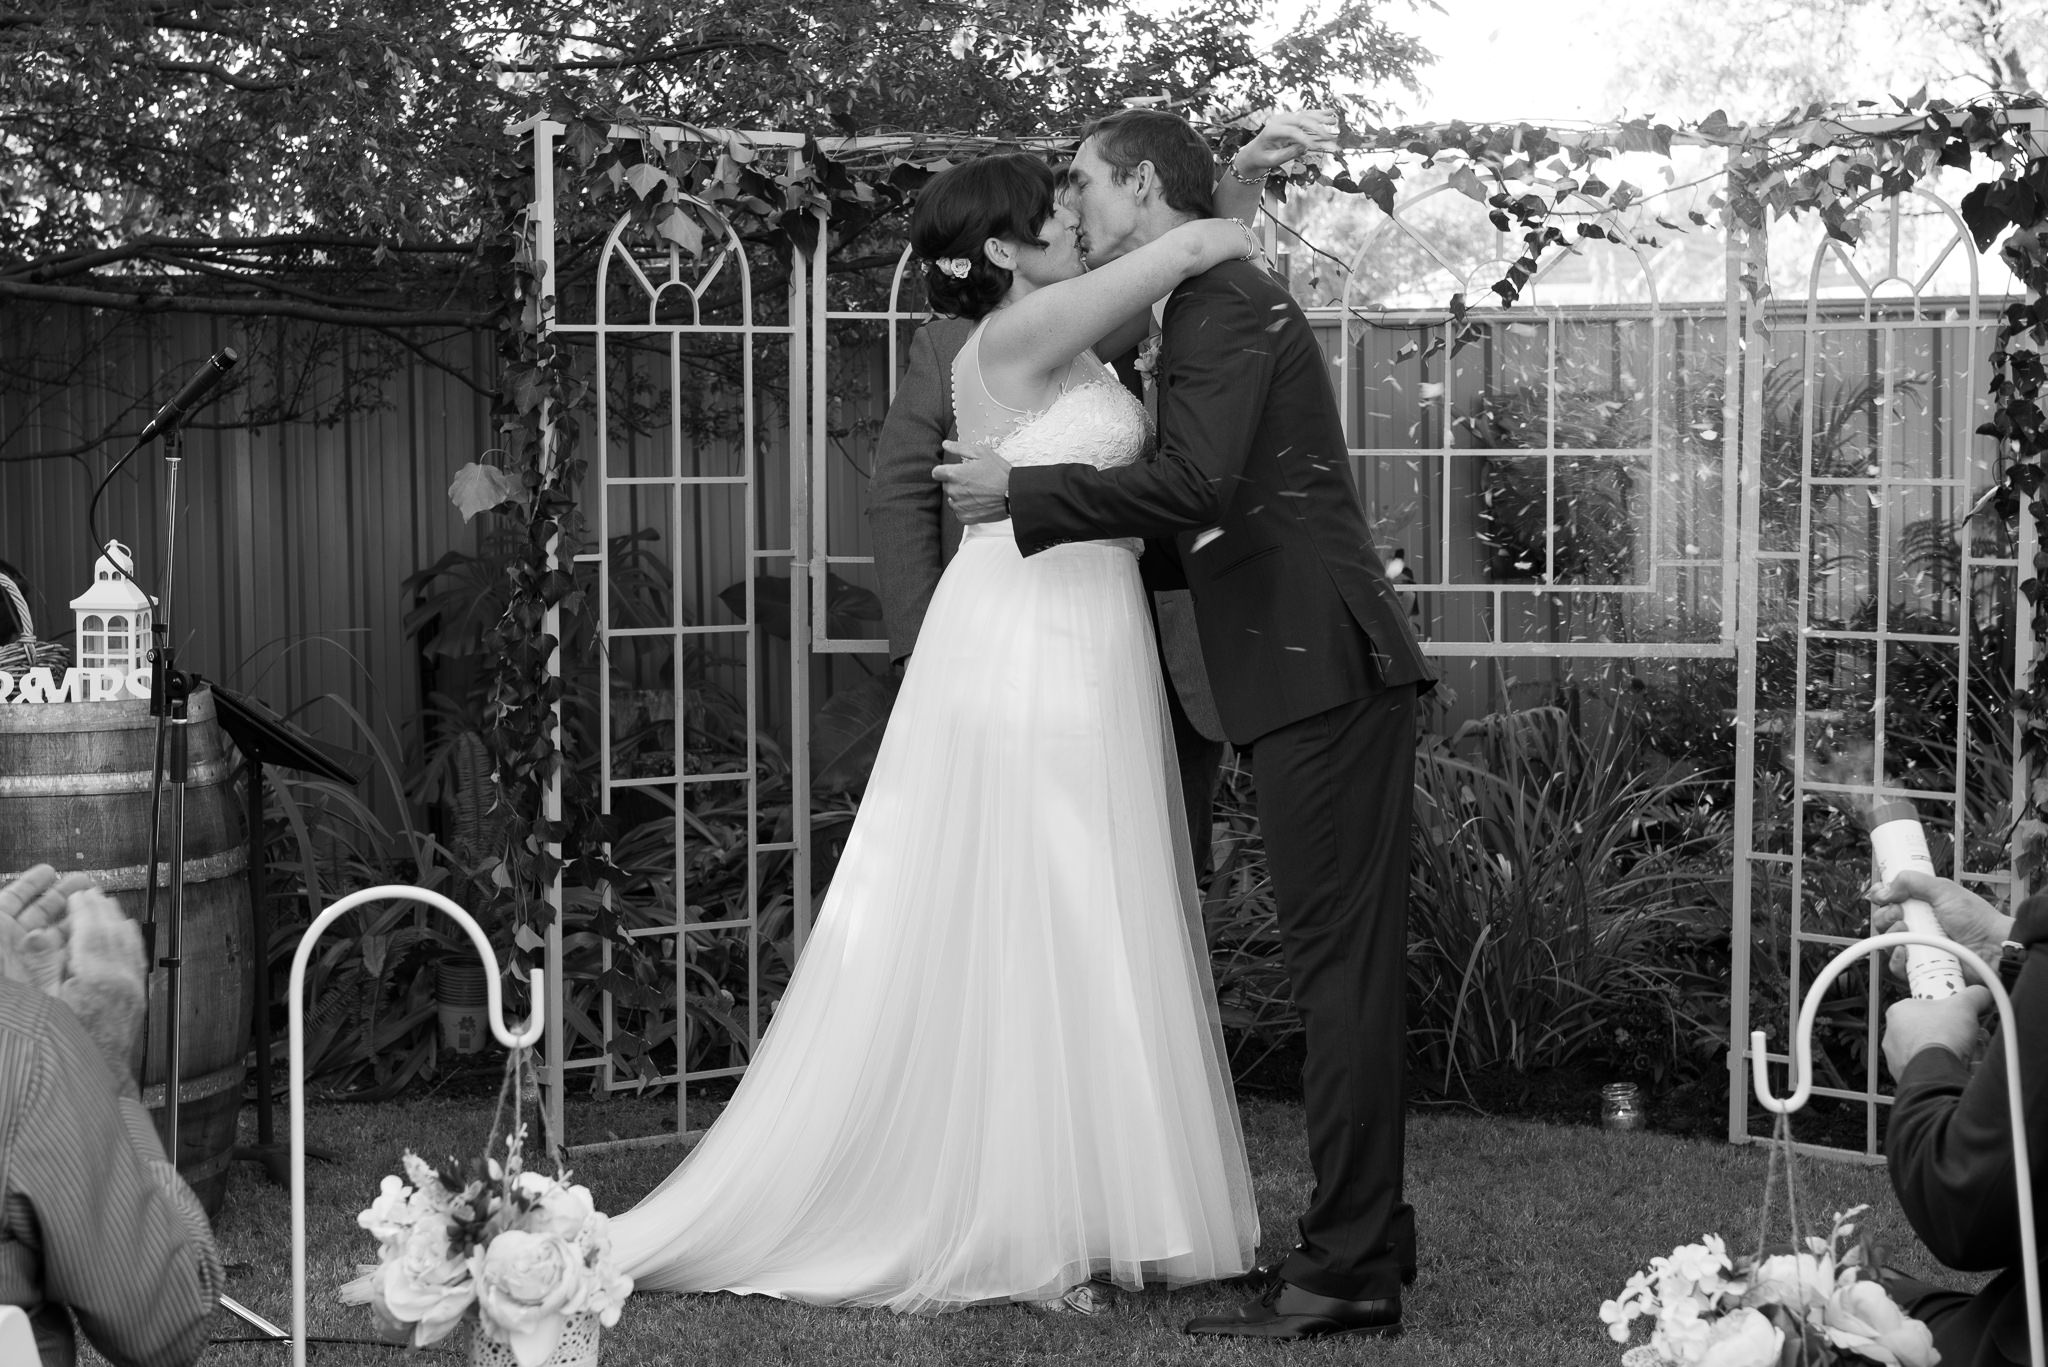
x,y
996,1070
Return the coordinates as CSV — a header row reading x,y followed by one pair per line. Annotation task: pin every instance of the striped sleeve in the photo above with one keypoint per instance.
x,y
124,1242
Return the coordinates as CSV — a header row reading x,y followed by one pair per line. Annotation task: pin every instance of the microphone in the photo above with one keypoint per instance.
x,y
198,387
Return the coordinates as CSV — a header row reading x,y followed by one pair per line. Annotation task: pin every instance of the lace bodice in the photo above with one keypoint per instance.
x,y
1094,419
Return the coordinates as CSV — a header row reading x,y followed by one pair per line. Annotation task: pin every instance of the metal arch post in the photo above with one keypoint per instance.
x,y
493,1005
548,1006
1801,1063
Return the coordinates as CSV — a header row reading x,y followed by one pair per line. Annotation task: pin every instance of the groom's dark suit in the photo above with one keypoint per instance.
x,y
1315,669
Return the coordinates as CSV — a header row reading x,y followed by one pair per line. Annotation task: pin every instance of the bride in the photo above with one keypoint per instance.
x,y
996,1073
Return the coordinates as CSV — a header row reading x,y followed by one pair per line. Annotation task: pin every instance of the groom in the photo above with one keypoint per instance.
x,y
1315,670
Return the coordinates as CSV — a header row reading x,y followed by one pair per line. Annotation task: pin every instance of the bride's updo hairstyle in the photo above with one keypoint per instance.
x,y
1007,195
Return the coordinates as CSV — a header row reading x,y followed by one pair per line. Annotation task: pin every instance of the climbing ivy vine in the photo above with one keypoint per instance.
x,y
1549,188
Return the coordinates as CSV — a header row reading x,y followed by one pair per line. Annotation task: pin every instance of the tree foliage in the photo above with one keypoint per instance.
x,y
333,161
1758,60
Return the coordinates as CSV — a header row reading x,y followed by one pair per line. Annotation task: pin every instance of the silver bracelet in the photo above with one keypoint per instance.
x,y
1258,180
1255,248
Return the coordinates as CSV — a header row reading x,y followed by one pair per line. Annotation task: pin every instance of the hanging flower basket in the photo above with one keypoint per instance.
x,y
1819,1302
523,1258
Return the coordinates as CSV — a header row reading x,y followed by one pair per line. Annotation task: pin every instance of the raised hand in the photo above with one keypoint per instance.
x,y
33,926
1287,134
1965,917
105,979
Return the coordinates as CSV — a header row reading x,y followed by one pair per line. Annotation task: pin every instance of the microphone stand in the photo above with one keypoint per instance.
x,y
169,692
169,697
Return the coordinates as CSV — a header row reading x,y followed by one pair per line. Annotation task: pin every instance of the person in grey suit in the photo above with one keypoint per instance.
x,y
913,534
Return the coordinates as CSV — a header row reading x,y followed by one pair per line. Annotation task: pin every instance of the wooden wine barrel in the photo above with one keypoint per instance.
x,y
75,793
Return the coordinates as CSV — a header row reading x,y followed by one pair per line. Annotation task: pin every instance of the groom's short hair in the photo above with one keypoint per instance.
x,y
1179,155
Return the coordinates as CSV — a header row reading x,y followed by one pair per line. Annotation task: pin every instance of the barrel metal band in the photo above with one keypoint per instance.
x,y
137,781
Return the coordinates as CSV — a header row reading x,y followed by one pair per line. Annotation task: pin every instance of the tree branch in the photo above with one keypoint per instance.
x,y
143,301
221,74
733,44
81,262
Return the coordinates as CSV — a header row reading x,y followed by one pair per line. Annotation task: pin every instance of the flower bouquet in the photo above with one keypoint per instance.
x,y
1812,1308
524,1256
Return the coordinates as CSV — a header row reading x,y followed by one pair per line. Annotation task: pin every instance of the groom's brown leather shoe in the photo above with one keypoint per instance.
x,y
1288,1312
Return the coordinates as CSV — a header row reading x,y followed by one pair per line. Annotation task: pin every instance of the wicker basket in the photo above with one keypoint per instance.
x,y
25,651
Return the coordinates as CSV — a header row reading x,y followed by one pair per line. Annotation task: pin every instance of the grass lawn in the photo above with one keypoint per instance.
x,y
1525,1227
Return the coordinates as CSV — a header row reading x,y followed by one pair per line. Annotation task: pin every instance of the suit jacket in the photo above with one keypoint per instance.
x,y
1294,607
1948,1147
913,532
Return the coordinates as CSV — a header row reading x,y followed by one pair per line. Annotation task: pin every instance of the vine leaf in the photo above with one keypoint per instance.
x,y
480,488
1466,182
672,224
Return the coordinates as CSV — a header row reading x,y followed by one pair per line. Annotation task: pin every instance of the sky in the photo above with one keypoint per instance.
x,y
1505,59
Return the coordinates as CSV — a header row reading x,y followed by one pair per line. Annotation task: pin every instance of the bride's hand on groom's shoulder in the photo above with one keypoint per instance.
x,y
1287,134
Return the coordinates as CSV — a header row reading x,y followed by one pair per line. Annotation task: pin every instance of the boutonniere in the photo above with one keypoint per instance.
x,y
1148,357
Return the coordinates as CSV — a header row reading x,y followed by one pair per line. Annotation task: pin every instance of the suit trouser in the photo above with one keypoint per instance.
x,y
1201,764
1335,792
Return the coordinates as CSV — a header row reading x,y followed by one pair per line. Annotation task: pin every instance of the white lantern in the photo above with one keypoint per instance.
x,y
113,615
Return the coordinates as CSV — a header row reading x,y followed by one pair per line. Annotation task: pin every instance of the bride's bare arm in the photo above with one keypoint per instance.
x,y
1241,188
1047,328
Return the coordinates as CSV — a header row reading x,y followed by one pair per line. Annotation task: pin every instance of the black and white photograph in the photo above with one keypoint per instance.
x,y
1165,683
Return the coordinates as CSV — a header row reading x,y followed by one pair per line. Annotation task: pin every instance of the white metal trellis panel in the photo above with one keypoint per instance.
x,y
837,478
712,507
1412,417
1588,384
1411,412
1879,575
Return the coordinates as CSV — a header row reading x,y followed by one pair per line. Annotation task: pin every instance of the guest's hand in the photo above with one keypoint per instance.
x,y
1287,134
1965,917
1949,1023
105,980
33,926
978,488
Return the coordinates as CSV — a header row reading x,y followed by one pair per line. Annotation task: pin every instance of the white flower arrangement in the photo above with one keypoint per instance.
x,y
519,1252
954,266
1818,1307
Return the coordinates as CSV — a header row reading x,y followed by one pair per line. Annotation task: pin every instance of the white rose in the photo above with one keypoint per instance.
x,y
1863,1318
1742,1338
557,1208
527,1285
426,1284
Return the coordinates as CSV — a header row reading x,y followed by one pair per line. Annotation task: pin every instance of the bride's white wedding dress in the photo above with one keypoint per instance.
x,y
997,1069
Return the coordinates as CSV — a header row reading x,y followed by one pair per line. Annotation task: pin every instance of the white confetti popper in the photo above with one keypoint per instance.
x,y
1898,844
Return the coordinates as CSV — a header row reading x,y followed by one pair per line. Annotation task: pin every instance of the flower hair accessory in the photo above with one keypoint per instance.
x,y
955,266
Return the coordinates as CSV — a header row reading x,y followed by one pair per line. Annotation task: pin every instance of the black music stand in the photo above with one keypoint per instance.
x,y
264,738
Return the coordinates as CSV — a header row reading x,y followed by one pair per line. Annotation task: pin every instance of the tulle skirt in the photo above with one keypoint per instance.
x,y
997,1068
